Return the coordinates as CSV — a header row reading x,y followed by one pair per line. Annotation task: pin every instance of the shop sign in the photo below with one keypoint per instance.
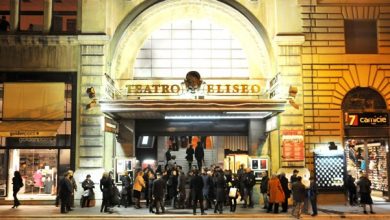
x,y
367,119
31,141
293,148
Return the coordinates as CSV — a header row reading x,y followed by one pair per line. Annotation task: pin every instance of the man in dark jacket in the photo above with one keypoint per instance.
x,y
250,181
66,191
264,188
298,191
158,192
284,182
196,186
199,155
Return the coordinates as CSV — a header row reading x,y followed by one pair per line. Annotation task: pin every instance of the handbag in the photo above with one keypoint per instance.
x,y
86,193
232,192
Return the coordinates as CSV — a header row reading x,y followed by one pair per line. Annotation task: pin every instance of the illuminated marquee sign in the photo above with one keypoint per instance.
x,y
367,119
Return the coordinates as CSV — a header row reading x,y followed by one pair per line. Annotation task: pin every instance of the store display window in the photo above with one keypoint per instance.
x,y
3,172
368,156
38,168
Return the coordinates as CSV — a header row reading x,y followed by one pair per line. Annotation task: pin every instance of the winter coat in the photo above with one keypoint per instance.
x,y
199,153
158,188
88,184
264,184
196,186
275,190
190,154
284,183
139,183
298,191
364,185
220,186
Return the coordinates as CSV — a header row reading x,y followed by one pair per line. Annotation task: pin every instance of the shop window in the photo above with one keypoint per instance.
x,y
64,16
31,15
38,168
361,36
64,164
184,45
4,14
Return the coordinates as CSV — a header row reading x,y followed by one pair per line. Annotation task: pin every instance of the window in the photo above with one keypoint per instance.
x,y
31,15
184,45
361,36
5,11
64,16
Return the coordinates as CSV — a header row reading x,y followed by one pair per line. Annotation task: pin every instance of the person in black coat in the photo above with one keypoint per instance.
x,y
264,188
352,190
106,188
220,186
127,187
199,155
17,182
87,184
158,192
284,182
190,156
196,187
65,194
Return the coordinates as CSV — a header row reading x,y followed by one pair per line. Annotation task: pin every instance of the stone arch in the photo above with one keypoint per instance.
x,y
130,37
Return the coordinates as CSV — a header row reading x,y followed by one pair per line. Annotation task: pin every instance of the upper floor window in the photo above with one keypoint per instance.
x,y
184,45
64,16
31,15
361,36
4,16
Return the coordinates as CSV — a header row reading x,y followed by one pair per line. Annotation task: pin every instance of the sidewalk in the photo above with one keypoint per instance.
x,y
325,212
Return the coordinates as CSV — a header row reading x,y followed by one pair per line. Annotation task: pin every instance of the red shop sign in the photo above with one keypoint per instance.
x,y
293,147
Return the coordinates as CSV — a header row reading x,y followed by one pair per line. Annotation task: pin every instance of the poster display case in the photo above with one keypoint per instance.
x,y
123,165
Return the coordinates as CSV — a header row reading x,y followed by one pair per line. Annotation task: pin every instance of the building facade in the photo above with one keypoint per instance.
x,y
281,85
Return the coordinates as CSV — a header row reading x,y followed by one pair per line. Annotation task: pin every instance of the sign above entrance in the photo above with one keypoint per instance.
x,y
193,84
366,119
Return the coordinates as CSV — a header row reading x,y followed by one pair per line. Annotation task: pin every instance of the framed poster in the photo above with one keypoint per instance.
x,y
259,163
293,148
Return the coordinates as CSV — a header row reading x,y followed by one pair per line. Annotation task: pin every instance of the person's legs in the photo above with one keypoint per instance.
x,y
265,199
276,207
371,211
201,207
250,196
270,205
364,209
313,201
285,204
194,203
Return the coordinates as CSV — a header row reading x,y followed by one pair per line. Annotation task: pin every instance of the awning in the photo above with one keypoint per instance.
x,y
160,109
29,128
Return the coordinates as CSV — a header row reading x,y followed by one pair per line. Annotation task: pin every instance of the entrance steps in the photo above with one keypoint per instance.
x,y
210,157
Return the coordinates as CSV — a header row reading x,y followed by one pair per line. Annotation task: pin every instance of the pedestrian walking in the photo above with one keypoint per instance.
x,y
313,192
286,190
249,183
190,156
264,188
88,195
139,184
298,192
181,190
17,183
364,185
196,186
74,187
276,194
199,155
151,179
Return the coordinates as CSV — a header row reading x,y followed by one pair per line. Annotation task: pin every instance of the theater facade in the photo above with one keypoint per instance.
x,y
275,85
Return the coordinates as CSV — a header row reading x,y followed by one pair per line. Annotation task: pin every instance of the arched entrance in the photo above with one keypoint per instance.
x,y
366,128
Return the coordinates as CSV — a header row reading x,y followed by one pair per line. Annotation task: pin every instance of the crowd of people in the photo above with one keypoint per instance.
x,y
210,188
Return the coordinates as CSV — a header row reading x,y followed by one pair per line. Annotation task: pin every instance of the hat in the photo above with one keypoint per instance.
x,y
296,171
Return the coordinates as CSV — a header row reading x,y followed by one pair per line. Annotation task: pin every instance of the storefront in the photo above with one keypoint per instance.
x,y
366,125
36,132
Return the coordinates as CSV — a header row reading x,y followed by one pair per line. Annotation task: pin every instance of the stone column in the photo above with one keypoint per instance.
x,y
47,15
14,17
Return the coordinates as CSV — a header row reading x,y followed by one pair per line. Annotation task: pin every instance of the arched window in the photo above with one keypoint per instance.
x,y
363,99
183,45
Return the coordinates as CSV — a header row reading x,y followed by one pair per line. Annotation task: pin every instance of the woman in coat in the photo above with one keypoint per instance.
x,y
88,186
364,185
139,184
276,194
106,188
17,184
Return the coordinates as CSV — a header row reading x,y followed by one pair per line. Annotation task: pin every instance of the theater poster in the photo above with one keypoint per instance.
x,y
293,147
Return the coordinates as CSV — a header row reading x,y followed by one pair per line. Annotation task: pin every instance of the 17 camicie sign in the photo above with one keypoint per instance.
x,y
367,119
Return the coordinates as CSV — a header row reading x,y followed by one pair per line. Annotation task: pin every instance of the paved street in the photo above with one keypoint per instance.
x,y
47,212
